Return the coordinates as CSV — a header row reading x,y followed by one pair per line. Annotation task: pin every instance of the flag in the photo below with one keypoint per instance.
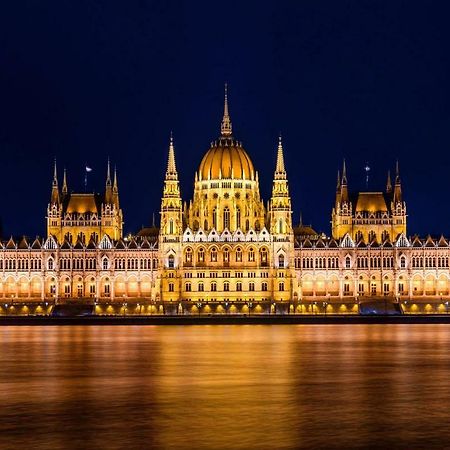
x,y
88,169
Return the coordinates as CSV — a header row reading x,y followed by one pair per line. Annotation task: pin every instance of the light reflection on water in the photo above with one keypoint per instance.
x,y
230,386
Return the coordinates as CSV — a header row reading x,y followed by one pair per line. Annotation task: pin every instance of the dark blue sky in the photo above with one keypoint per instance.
x,y
364,80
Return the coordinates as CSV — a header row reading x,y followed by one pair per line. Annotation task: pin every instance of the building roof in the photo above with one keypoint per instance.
x,y
370,202
83,203
226,159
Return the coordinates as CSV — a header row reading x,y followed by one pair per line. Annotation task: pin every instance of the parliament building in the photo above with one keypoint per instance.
x,y
225,251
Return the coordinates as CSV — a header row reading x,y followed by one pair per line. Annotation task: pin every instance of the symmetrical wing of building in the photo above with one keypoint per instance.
x,y
225,248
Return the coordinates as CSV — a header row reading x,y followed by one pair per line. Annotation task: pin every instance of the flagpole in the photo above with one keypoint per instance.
x,y
85,178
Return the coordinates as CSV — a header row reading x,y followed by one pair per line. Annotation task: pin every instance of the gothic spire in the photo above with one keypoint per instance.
x,y
64,185
344,173
55,189
338,182
389,183
344,187
398,185
397,173
108,190
280,171
225,127
115,185
171,173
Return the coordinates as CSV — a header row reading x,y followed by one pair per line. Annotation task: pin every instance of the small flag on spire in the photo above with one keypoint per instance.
x,y
88,169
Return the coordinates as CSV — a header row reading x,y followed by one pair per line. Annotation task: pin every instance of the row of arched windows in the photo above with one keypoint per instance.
x,y
213,256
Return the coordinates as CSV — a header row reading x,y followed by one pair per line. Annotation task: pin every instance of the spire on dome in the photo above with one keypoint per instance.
x,y
225,127
280,171
171,173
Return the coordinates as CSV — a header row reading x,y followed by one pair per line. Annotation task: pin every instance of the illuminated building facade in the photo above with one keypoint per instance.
x,y
225,251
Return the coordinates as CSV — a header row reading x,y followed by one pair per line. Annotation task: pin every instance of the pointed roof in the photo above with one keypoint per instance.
x,y
225,127
55,190
64,185
171,173
344,173
388,182
280,171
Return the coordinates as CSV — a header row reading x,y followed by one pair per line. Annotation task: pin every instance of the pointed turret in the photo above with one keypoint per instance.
x,y
389,183
64,185
338,182
280,171
398,185
171,173
108,189
225,127
344,186
54,200
115,190
280,202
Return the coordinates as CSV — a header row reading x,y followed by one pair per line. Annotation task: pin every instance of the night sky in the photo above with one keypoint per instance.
x,y
363,80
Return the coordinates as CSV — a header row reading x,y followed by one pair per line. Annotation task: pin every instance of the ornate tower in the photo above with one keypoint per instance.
x,y
341,218
111,214
54,208
398,206
280,226
171,230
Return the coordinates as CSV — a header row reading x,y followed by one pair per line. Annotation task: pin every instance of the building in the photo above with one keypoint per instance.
x,y
225,251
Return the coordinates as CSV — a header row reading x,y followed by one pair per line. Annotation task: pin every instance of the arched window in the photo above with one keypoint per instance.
x,y
214,254
105,263
214,218
226,286
226,218
239,286
213,286
281,286
247,225
188,256
50,264
226,255
171,226
201,255
238,217
348,262
201,287
188,287
281,261
238,254
205,225
171,261
402,262
263,257
251,255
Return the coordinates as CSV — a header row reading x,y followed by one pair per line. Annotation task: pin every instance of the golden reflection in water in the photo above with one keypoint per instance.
x,y
230,387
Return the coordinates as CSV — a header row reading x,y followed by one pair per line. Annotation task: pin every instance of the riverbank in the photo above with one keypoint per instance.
x,y
226,320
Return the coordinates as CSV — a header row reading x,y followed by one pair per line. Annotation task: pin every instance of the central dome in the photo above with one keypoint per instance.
x,y
226,159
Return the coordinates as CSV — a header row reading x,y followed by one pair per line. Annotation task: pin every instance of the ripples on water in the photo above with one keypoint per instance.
x,y
225,387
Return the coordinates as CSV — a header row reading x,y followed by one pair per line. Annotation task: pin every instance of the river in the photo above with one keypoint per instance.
x,y
225,387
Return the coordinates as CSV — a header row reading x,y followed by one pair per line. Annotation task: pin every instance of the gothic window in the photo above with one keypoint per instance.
x,y
402,262
50,264
213,286
171,262
239,286
280,226
82,238
251,255
239,255
281,261
171,287
251,286
348,262
238,217
372,235
205,225
358,236
105,264
385,235
263,256
226,256
281,286
226,218
247,225
94,237
188,256
214,218
226,286
264,286
213,254
68,237
201,255
188,287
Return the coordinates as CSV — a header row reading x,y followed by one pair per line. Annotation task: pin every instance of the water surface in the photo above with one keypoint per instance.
x,y
225,387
